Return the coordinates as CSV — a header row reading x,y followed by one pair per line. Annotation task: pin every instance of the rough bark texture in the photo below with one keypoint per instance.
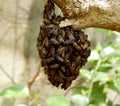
x,y
91,13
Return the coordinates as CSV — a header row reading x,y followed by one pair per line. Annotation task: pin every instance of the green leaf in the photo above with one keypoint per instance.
x,y
111,85
107,43
15,91
80,90
94,56
105,66
80,100
86,73
58,100
107,51
98,96
117,83
100,76
114,54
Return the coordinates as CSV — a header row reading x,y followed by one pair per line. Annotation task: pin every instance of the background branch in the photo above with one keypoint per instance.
x,y
91,13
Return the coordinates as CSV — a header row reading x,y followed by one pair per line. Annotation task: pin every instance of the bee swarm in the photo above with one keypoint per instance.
x,y
63,51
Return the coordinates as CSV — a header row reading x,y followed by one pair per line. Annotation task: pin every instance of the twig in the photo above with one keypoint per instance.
x,y
4,71
92,83
35,77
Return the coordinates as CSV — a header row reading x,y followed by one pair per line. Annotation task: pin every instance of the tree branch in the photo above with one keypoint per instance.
x,y
91,13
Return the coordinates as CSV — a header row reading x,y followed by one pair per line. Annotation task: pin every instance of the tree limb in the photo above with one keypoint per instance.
x,y
91,13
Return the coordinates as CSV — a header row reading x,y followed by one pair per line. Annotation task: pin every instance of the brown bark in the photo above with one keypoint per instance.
x,y
91,13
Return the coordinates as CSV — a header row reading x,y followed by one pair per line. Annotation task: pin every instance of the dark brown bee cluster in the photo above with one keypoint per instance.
x,y
63,51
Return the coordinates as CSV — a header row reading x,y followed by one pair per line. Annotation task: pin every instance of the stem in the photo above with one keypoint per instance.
x,y
35,77
92,83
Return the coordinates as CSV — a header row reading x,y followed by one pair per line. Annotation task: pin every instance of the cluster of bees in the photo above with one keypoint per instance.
x,y
63,51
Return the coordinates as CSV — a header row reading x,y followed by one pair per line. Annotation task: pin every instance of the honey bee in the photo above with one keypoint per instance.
x,y
70,35
68,83
60,59
55,21
73,68
50,59
76,34
76,46
62,33
63,69
42,52
87,53
45,71
67,61
43,62
54,31
49,10
79,41
60,50
46,21
54,66
67,42
86,45
83,61
41,34
46,42
57,83
69,50
61,40
67,57
52,51
54,41
68,73
51,79
61,75
46,33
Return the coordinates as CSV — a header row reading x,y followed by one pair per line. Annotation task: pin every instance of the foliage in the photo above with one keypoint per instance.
x,y
15,91
58,100
102,73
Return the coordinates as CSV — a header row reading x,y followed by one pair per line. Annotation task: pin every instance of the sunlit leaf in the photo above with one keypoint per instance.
x,y
117,83
86,73
15,91
80,100
107,51
94,56
101,76
114,54
58,100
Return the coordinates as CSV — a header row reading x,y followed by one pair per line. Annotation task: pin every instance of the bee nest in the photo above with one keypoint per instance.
x,y
63,51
